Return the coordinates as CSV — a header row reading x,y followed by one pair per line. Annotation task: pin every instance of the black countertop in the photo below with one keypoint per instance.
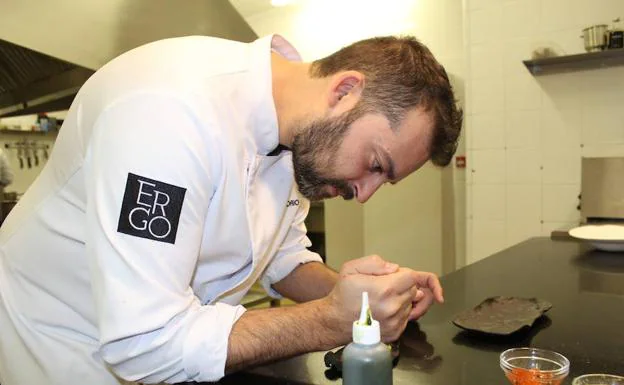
x,y
586,323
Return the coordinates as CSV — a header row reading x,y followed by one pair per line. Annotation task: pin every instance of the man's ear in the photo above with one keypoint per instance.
x,y
345,88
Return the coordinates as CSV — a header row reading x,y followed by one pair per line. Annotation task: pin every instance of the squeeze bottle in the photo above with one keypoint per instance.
x,y
366,360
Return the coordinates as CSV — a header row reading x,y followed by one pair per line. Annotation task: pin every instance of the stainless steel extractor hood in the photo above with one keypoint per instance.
x,y
49,48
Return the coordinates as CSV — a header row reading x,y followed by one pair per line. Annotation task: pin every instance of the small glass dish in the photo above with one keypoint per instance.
x,y
531,366
598,379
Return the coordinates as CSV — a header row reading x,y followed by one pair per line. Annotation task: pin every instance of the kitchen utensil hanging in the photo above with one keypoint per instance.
x,y
28,152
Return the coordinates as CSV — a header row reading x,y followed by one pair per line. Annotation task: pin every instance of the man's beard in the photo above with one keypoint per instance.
x,y
314,148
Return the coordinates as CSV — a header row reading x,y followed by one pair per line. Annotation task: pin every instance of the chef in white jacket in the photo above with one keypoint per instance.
x,y
182,175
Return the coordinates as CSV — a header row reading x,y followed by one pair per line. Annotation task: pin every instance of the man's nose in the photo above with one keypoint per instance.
x,y
367,187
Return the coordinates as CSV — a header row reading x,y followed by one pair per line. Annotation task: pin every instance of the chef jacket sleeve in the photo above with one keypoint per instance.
x,y
151,166
292,252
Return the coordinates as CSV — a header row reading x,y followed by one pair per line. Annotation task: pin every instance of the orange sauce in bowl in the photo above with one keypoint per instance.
x,y
519,376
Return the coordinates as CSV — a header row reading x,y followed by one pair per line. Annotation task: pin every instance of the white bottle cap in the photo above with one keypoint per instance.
x,y
366,330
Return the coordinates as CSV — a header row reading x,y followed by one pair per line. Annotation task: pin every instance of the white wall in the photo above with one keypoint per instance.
x,y
526,135
402,223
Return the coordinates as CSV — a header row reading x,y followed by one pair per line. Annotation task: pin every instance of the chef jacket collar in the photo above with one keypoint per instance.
x,y
265,130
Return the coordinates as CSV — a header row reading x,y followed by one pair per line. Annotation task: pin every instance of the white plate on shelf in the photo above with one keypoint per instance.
x,y
602,237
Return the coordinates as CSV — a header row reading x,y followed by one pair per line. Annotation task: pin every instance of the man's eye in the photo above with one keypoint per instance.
x,y
376,167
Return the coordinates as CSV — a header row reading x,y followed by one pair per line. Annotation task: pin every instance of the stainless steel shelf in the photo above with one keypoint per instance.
x,y
579,62
26,132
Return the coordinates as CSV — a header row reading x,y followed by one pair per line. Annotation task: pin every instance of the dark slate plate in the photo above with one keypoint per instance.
x,y
502,315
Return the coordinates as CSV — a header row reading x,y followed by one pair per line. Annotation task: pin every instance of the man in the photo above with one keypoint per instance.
x,y
6,178
167,196
6,171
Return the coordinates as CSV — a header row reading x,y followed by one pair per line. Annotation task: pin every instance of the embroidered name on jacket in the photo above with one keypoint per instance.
x,y
151,209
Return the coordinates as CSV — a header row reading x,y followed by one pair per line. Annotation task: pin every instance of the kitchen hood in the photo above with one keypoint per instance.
x,y
48,49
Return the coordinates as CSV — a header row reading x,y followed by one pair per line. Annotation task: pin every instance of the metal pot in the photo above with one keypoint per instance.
x,y
595,37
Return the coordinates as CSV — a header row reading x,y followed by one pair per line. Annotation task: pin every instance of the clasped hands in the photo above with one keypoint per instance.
x,y
396,294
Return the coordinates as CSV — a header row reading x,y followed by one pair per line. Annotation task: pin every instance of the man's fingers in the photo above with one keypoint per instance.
x,y
420,308
402,281
415,294
419,295
375,265
430,281
395,315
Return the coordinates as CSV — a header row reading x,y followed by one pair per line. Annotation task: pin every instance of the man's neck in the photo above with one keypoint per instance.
x,y
295,94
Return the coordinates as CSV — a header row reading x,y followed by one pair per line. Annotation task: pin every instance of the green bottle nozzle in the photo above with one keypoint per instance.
x,y
366,317
366,330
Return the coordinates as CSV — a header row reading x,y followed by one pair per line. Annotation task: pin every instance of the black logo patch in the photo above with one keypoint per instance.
x,y
151,209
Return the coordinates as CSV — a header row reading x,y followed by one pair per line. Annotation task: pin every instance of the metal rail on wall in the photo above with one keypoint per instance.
x,y
28,152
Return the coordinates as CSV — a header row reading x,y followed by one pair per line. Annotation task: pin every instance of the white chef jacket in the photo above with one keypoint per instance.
x,y
158,209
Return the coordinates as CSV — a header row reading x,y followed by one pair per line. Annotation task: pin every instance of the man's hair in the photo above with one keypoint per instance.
x,y
401,73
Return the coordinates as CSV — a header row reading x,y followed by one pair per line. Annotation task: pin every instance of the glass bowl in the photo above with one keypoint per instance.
x,y
531,366
598,379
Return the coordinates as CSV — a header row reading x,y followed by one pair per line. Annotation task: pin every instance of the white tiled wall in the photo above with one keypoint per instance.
x,y
488,166
489,135
488,202
521,210
526,135
523,166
